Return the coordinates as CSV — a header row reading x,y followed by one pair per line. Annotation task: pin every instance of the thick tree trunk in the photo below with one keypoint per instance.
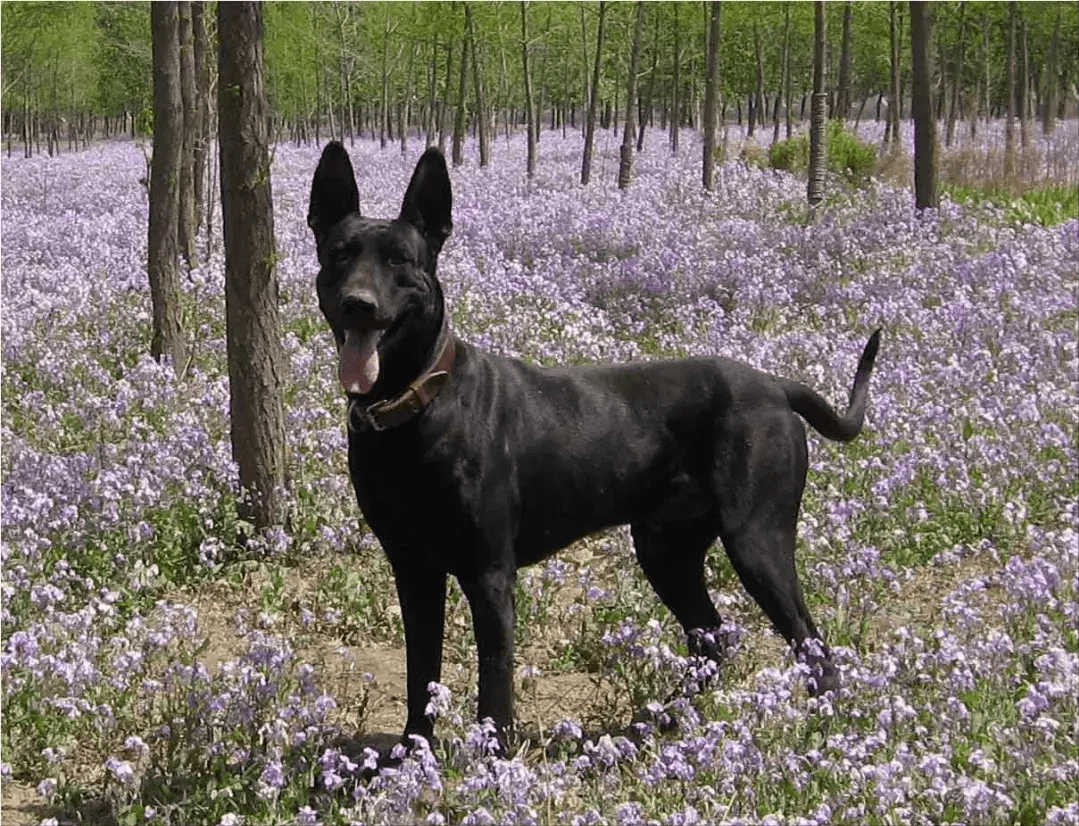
x,y
629,134
188,222
708,167
530,115
818,111
256,358
477,86
163,241
590,128
925,125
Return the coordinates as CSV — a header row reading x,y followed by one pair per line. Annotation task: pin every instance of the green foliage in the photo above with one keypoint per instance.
x,y
847,154
1046,206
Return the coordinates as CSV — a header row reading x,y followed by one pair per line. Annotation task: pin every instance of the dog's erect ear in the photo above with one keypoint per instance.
x,y
429,200
333,192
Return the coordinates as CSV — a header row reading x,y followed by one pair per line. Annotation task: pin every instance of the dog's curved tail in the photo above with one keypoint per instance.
x,y
812,407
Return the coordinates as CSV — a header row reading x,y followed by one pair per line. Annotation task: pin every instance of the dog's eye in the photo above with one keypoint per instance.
x,y
396,259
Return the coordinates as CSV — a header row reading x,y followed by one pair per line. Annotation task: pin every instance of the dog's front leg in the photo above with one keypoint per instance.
x,y
491,598
422,594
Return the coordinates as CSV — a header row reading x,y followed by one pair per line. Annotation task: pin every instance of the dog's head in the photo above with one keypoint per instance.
x,y
375,274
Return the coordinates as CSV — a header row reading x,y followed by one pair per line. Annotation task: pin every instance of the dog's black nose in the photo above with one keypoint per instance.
x,y
360,305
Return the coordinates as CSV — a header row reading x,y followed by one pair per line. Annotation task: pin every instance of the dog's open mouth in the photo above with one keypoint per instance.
x,y
358,366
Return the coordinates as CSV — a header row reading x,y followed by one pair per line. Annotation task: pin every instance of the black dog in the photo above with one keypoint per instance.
x,y
469,464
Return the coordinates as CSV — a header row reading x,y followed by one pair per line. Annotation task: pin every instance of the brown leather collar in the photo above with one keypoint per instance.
x,y
388,413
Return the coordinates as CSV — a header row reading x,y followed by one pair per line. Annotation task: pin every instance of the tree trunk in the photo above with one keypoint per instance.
x,y
459,120
895,24
818,111
751,103
651,78
842,104
925,125
584,72
1052,73
385,126
1024,87
758,98
708,169
444,105
629,134
477,86
676,112
163,241
256,358
530,115
1009,123
957,80
590,128
784,77
202,52
188,226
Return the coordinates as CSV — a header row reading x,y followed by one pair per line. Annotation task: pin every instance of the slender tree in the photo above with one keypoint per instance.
x,y
530,115
590,128
818,111
255,355
188,221
1009,122
163,240
629,134
477,87
957,81
676,104
925,125
710,96
459,119
202,53
1051,75
842,98
895,107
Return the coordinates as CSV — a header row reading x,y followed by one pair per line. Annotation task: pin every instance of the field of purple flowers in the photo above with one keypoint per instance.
x,y
155,673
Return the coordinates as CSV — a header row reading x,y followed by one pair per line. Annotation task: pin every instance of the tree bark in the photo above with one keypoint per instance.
x,y
925,125
651,79
894,109
200,38
530,115
459,121
842,104
629,133
783,93
818,111
676,112
256,357
1009,122
477,86
590,128
1024,86
188,225
957,80
708,168
1052,73
163,240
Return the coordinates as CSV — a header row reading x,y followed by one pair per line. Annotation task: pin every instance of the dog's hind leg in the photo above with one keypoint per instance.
x,y
672,556
762,554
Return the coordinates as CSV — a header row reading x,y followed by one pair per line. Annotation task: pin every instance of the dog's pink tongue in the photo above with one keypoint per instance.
x,y
358,369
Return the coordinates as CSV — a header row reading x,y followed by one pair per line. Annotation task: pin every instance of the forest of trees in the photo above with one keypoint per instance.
x,y
75,72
